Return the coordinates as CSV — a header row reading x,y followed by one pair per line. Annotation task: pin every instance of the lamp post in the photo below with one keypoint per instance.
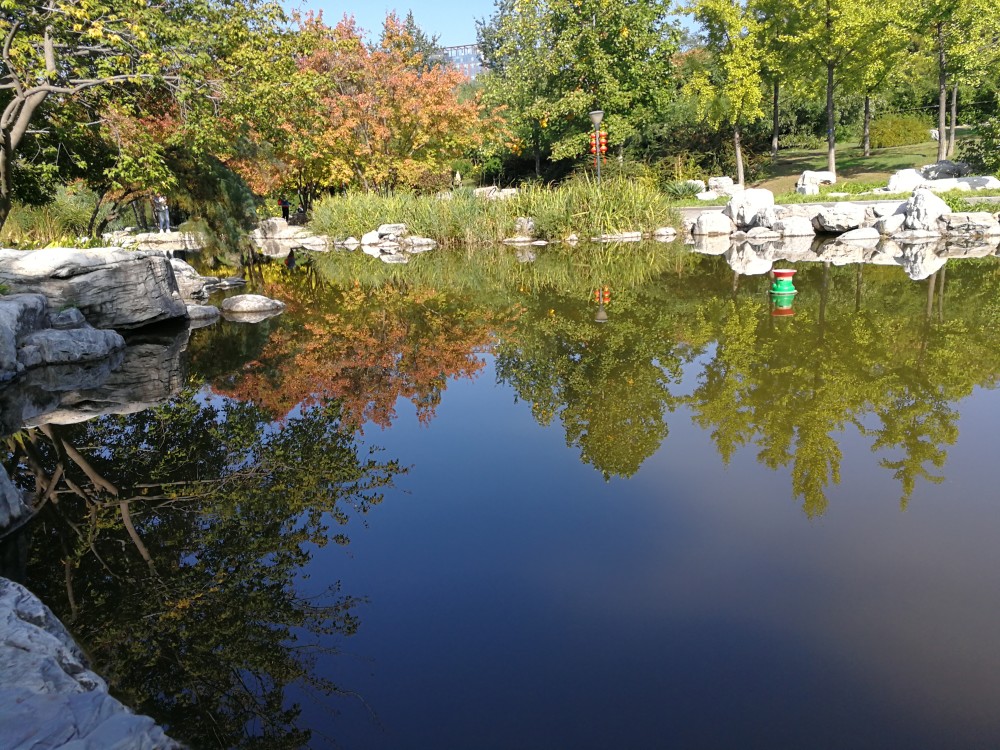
x,y
595,117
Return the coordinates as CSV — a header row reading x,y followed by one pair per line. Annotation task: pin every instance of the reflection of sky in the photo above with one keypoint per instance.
x,y
518,600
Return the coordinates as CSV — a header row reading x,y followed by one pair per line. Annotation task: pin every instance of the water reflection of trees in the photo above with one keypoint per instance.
x,y
869,350
170,542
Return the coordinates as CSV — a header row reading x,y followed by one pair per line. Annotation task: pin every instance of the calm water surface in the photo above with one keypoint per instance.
x,y
697,525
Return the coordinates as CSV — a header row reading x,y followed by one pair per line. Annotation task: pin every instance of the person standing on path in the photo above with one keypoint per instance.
x,y
162,212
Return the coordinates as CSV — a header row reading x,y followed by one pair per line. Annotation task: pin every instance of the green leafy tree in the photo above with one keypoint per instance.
x,y
552,61
730,90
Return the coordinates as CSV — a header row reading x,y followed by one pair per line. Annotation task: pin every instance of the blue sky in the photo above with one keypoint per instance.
x,y
453,22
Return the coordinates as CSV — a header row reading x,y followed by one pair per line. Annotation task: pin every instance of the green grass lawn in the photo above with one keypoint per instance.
x,y
852,165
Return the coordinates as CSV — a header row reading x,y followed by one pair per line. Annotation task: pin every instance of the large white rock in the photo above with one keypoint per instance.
x,y
890,225
251,303
906,181
113,288
744,206
794,226
841,217
817,178
713,223
394,231
980,223
979,183
721,185
923,210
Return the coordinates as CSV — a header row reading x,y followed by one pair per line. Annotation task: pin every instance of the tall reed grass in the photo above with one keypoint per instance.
x,y
579,207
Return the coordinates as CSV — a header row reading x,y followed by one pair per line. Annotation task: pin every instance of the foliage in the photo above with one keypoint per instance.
x,y
983,153
898,130
375,116
552,61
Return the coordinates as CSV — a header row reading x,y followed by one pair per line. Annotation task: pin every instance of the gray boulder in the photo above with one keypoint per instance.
x,y
923,210
49,698
744,206
251,303
20,314
945,169
839,218
890,225
113,288
12,505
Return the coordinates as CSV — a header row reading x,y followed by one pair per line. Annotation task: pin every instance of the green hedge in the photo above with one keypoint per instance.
x,y
899,130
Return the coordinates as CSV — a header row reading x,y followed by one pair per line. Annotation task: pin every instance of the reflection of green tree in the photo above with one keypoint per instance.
x,y
868,350
171,546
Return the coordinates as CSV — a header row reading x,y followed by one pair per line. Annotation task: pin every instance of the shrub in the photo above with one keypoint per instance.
x,y
898,130
983,153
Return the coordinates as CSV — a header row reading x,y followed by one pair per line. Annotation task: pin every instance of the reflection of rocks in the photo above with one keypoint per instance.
x,y
276,239
149,371
843,253
113,288
251,303
29,340
794,249
12,505
711,244
971,247
49,698
921,260
748,260
250,317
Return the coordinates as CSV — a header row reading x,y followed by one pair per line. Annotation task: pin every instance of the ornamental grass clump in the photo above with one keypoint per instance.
x,y
579,207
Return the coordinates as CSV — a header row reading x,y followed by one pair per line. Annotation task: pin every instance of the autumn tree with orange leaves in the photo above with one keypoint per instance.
x,y
373,115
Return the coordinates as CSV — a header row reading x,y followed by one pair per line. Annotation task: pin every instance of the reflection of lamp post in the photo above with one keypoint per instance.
x,y
595,117
602,296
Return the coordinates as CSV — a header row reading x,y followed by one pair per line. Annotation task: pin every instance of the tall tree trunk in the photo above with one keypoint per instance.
x,y
774,120
5,182
942,151
867,141
954,119
831,125
739,155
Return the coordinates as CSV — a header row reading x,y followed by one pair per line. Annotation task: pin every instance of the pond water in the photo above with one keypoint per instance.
x,y
441,505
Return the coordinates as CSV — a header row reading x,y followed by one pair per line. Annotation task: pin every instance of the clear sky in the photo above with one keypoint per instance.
x,y
453,22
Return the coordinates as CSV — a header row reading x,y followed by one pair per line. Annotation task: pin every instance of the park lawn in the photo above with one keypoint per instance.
x,y
852,165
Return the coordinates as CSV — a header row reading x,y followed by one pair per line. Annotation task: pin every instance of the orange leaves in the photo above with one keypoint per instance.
x,y
378,112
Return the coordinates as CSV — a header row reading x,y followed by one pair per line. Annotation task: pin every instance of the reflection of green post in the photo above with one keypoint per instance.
x,y
783,293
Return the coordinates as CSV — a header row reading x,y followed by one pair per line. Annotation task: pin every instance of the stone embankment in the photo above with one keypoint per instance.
x,y
919,234
68,305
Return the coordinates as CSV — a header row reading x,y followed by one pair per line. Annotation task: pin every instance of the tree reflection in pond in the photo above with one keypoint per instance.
x,y
171,541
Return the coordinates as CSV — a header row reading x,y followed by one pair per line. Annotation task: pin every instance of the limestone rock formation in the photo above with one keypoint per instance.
x,y
49,698
113,288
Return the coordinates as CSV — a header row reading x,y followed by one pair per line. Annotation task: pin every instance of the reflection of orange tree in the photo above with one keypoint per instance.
x,y
369,348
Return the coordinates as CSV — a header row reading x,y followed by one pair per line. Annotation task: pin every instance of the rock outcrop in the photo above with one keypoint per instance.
x,y
113,288
275,238
49,698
